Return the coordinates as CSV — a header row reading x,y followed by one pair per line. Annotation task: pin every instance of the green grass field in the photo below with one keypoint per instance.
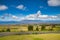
x,y
32,37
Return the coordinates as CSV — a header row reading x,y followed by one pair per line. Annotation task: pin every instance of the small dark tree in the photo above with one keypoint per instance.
x,y
52,27
8,30
3,31
37,29
30,28
43,27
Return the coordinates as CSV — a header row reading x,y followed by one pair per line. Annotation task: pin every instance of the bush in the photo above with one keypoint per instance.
x,y
8,30
43,27
52,27
37,29
30,28
3,30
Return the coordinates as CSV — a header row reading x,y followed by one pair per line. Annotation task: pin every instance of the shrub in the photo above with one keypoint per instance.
x,y
3,30
8,30
30,28
37,29
43,27
53,26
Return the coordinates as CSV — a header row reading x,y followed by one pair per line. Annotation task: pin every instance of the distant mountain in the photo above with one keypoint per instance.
x,y
40,22
30,22
30,19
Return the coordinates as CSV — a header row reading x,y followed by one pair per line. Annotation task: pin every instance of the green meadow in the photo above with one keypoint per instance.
x,y
32,37
29,28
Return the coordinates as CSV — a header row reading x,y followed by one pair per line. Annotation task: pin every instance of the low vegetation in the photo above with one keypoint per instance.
x,y
33,27
32,37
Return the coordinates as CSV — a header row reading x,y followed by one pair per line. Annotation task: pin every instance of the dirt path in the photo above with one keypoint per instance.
x,y
22,33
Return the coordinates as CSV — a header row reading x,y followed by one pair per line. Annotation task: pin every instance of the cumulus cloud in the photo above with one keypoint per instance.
x,y
54,2
14,17
8,17
3,7
22,7
2,17
37,16
38,12
40,17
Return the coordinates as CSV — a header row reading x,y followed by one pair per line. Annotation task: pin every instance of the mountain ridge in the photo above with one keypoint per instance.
x,y
30,22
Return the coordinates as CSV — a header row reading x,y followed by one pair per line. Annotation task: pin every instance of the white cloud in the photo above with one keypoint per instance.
x,y
37,16
3,7
22,7
38,12
2,17
8,17
14,17
54,2
33,16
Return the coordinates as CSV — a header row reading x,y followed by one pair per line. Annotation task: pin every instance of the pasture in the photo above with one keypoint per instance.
x,y
38,27
32,37
36,32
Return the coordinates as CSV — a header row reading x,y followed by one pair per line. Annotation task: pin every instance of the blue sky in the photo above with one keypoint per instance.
x,y
24,8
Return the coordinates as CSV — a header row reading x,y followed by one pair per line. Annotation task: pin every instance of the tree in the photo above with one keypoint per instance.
x,y
3,30
52,27
43,27
37,29
30,28
8,30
